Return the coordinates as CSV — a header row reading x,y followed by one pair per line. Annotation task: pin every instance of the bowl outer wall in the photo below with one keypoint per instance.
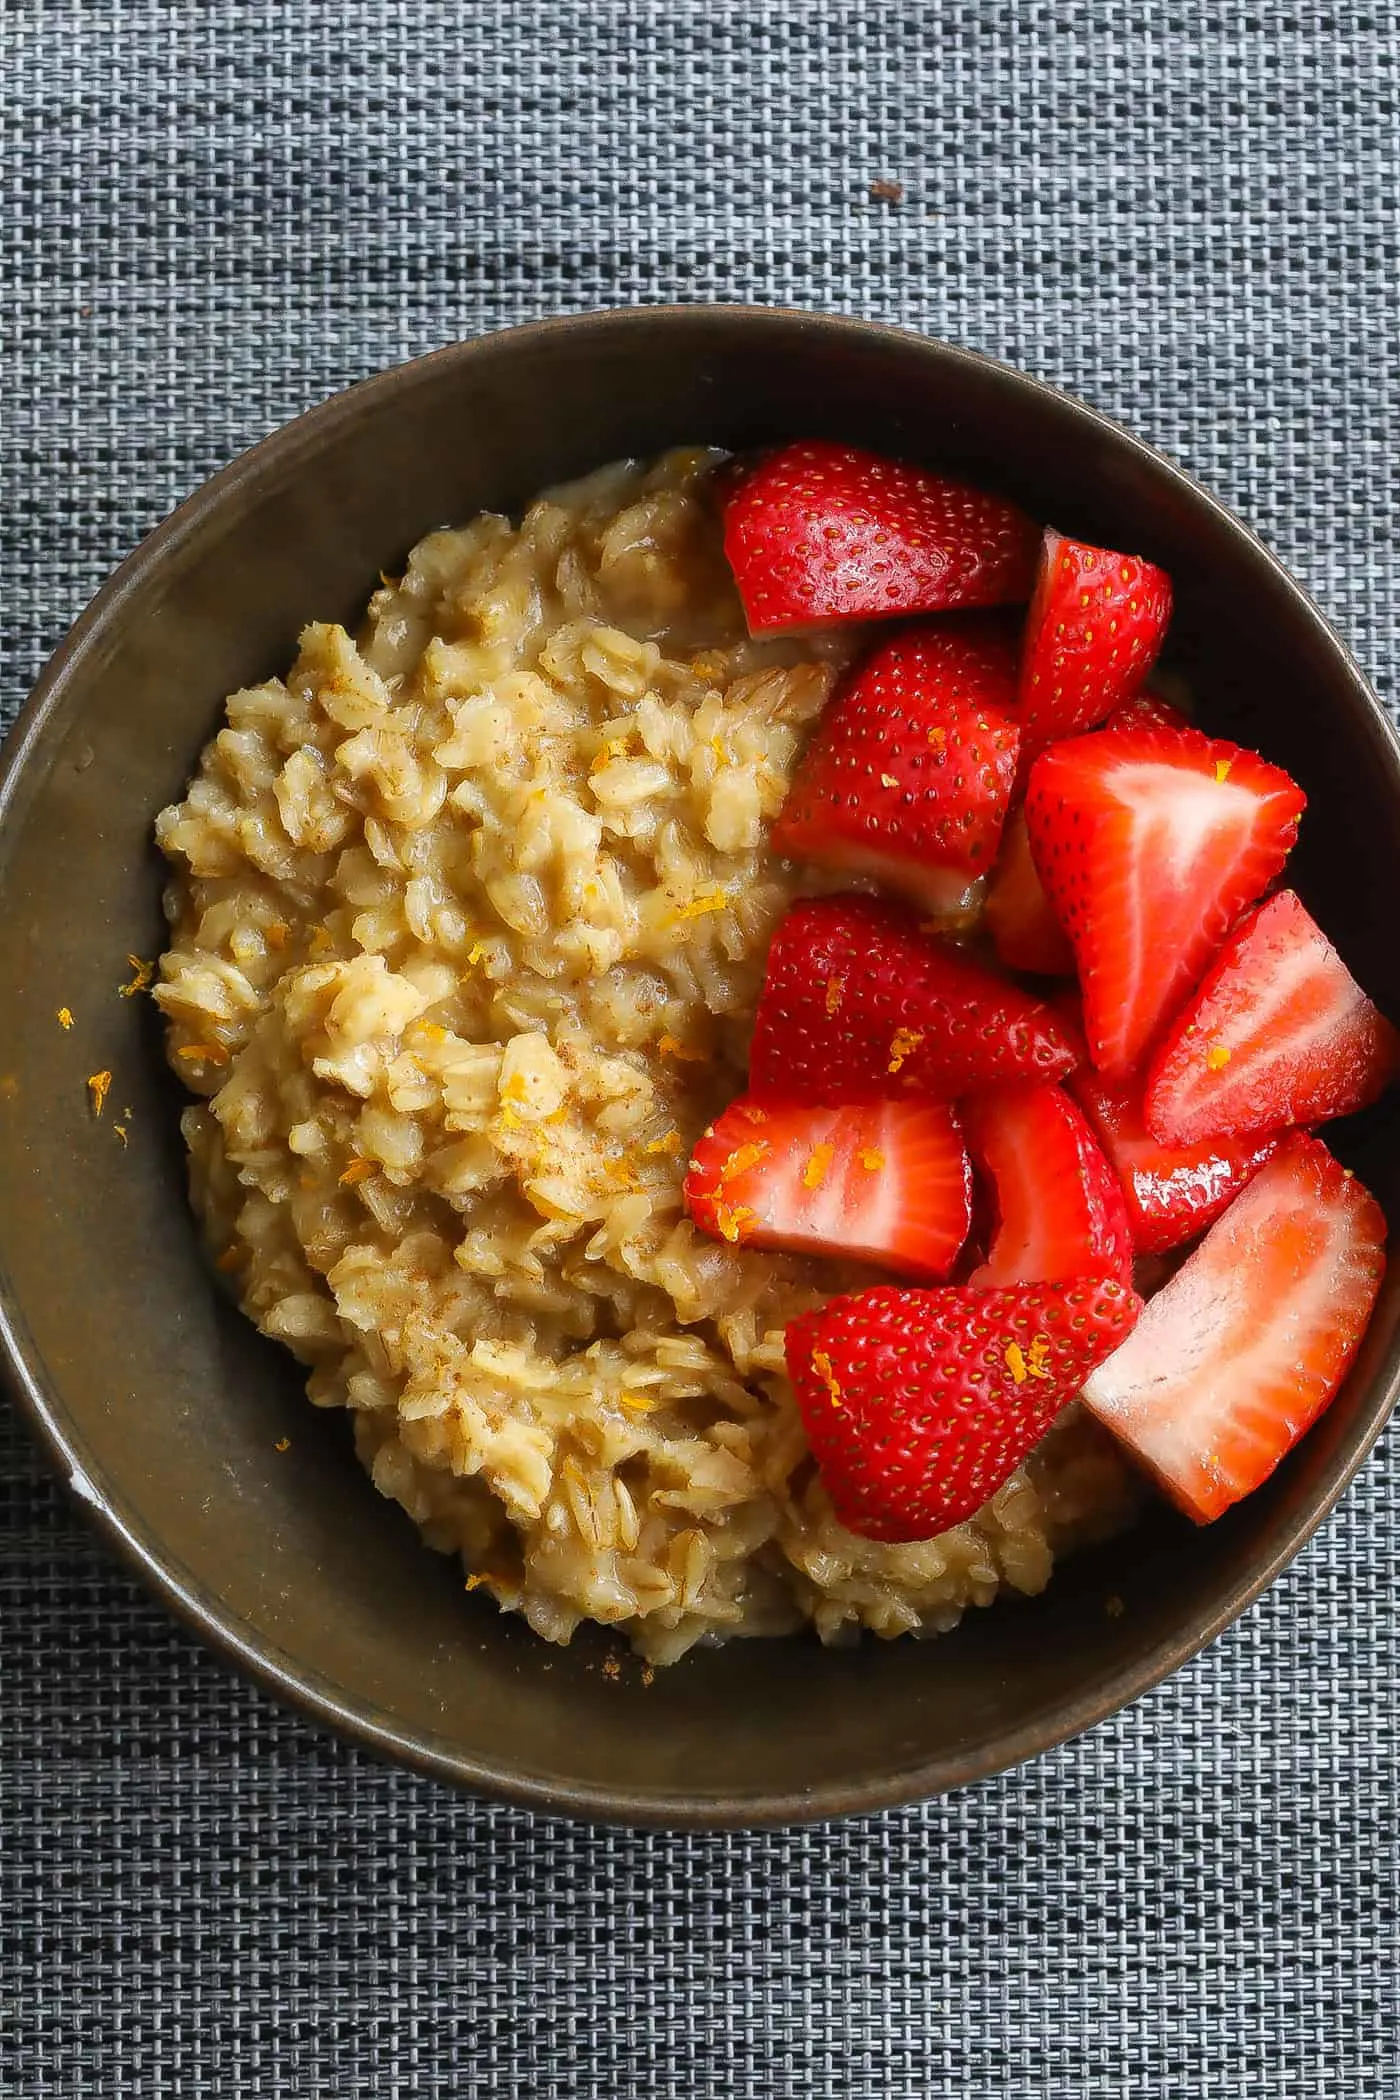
x,y
163,1408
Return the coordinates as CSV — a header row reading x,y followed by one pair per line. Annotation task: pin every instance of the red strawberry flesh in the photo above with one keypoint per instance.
x,y
887,1182
1020,917
1096,623
859,1004
1173,1192
1239,1353
909,772
821,532
1060,1211
1149,842
1278,1032
919,1405
1148,711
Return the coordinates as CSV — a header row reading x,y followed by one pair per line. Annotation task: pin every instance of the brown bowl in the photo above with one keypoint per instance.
x,y
161,1404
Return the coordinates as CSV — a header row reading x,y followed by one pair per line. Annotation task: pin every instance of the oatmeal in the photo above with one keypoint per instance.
x,y
468,925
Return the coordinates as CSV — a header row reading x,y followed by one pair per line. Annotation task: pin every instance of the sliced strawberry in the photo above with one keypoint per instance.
x,y
1278,1032
1240,1352
887,1182
1172,1191
909,773
1096,623
1149,842
1020,917
1059,1207
820,532
1148,711
860,1005
919,1405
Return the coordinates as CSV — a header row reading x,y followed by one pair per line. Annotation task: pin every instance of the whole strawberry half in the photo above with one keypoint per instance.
x,y
1059,1206
1278,1032
1173,1192
886,1181
909,773
919,1405
1149,842
1240,1352
1020,917
859,1004
820,532
1096,623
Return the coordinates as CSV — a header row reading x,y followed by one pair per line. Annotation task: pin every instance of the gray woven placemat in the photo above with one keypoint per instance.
x,y
215,214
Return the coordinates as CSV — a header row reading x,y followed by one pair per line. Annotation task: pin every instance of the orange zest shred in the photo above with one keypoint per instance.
x,y
751,1113
821,1364
476,953
615,747
835,987
744,1157
672,1046
887,780
284,1443
669,1144
1217,1057
64,1017
119,1133
207,1053
640,1403
358,1170
902,1046
277,934
698,906
938,738
433,1030
99,1086
142,973
872,1160
731,1223
818,1166
1029,1363
1222,768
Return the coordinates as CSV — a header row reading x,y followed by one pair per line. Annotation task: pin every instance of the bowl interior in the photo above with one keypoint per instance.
x,y
166,1408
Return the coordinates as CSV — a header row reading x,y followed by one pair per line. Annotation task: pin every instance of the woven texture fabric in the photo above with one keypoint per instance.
x,y
214,214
